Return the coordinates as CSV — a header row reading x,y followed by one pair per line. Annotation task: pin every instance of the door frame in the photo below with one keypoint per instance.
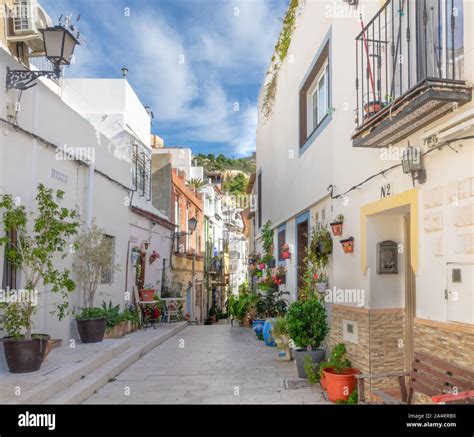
x,y
301,218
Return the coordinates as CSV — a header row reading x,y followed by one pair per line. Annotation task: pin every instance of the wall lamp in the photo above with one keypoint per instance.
x,y
59,45
192,225
412,164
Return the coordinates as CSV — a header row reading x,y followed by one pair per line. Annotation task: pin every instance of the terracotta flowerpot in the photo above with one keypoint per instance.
x,y
323,379
286,255
336,228
371,108
147,294
339,386
348,245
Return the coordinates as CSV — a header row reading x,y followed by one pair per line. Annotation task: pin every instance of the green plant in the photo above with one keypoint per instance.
x,y
271,302
337,360
267,238
112,314
195,184
352,400
281,51
36,252
310,369
280,327
94,255
91,314
339,219
307,323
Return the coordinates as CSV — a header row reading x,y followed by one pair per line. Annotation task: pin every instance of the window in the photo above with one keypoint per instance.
x,y
108,276
141,171
317,99
281,242
315,95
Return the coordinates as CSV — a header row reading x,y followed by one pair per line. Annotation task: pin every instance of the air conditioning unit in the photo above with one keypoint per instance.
x,y
27,17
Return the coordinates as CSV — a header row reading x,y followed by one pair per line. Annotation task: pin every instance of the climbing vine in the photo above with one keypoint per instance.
x,y
281,51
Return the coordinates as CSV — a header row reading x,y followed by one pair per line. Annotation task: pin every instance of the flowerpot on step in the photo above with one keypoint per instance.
x,y
91,331
24,356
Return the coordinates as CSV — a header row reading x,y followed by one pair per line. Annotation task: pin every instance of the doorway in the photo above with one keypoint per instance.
x,y
302,235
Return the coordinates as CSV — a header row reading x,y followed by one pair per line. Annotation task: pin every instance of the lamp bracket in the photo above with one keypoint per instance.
x,y
23,79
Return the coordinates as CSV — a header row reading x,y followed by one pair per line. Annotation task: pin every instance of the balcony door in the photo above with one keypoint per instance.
x,y
440,39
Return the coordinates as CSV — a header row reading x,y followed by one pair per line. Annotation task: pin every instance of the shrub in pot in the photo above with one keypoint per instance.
x,y
338,375
307,327
35,251
91,324
93,259
113,319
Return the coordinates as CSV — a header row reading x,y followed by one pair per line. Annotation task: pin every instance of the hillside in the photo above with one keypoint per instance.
x,y
219,164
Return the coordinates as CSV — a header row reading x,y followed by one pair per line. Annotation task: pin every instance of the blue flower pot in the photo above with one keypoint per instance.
x,y
267,333
257,326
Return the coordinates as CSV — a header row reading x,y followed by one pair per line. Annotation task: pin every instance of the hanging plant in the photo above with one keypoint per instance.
x,y
281,50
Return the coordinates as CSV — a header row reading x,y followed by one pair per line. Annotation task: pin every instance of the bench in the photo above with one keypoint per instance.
x,y
430,376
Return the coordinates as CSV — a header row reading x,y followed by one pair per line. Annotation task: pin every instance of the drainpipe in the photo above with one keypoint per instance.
x,y
90,194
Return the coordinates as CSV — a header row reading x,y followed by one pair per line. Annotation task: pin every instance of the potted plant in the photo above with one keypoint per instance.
x,y
371,108
322,281
153,257
213,314
35,251
93,259
348,245
113,319
285,251
321,240
307,327
282,339
339,376
280,275
147,293
91,324
336,225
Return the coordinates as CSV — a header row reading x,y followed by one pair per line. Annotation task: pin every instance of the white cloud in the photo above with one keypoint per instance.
x,y
189,71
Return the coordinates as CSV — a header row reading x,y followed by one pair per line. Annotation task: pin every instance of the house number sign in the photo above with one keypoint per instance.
x,y
387,257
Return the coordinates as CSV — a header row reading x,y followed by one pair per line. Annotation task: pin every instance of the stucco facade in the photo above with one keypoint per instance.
x,y
432,223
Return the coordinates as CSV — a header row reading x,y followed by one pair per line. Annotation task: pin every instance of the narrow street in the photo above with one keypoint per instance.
x,y
218,364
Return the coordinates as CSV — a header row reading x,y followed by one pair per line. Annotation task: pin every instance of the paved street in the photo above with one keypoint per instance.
x,y
216,364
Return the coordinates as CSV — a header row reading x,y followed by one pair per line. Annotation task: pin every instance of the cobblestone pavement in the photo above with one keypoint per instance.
x,y
219,364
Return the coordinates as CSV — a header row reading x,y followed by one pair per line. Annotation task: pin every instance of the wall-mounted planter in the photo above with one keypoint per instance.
x,y
336,228
286,255
348,245
147,295
324,248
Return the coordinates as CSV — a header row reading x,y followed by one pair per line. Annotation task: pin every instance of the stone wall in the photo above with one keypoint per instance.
x,y
380,343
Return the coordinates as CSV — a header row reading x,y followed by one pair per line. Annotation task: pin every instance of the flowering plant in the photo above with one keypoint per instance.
x,y
285,247
321,277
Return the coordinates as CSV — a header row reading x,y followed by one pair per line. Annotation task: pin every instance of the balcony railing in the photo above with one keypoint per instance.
x,y
406,46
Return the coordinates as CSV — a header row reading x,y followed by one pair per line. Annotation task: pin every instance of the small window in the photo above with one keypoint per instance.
x,y
318,104
281,242
108,276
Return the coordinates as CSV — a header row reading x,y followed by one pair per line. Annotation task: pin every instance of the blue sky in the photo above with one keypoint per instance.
x,y
190,60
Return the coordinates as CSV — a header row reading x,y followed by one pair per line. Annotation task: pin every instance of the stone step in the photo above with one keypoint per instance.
x,y
67,374
83,389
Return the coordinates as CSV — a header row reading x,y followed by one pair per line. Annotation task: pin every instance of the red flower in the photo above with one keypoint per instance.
x,y
315,276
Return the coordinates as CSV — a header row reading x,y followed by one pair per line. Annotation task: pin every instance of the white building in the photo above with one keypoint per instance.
x,y
310,142
99,137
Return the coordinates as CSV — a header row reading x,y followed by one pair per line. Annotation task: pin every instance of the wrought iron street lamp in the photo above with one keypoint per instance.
x,y
59,45
192,225
412,165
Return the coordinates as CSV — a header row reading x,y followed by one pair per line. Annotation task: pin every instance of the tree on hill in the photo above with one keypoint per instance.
x,y
237,184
